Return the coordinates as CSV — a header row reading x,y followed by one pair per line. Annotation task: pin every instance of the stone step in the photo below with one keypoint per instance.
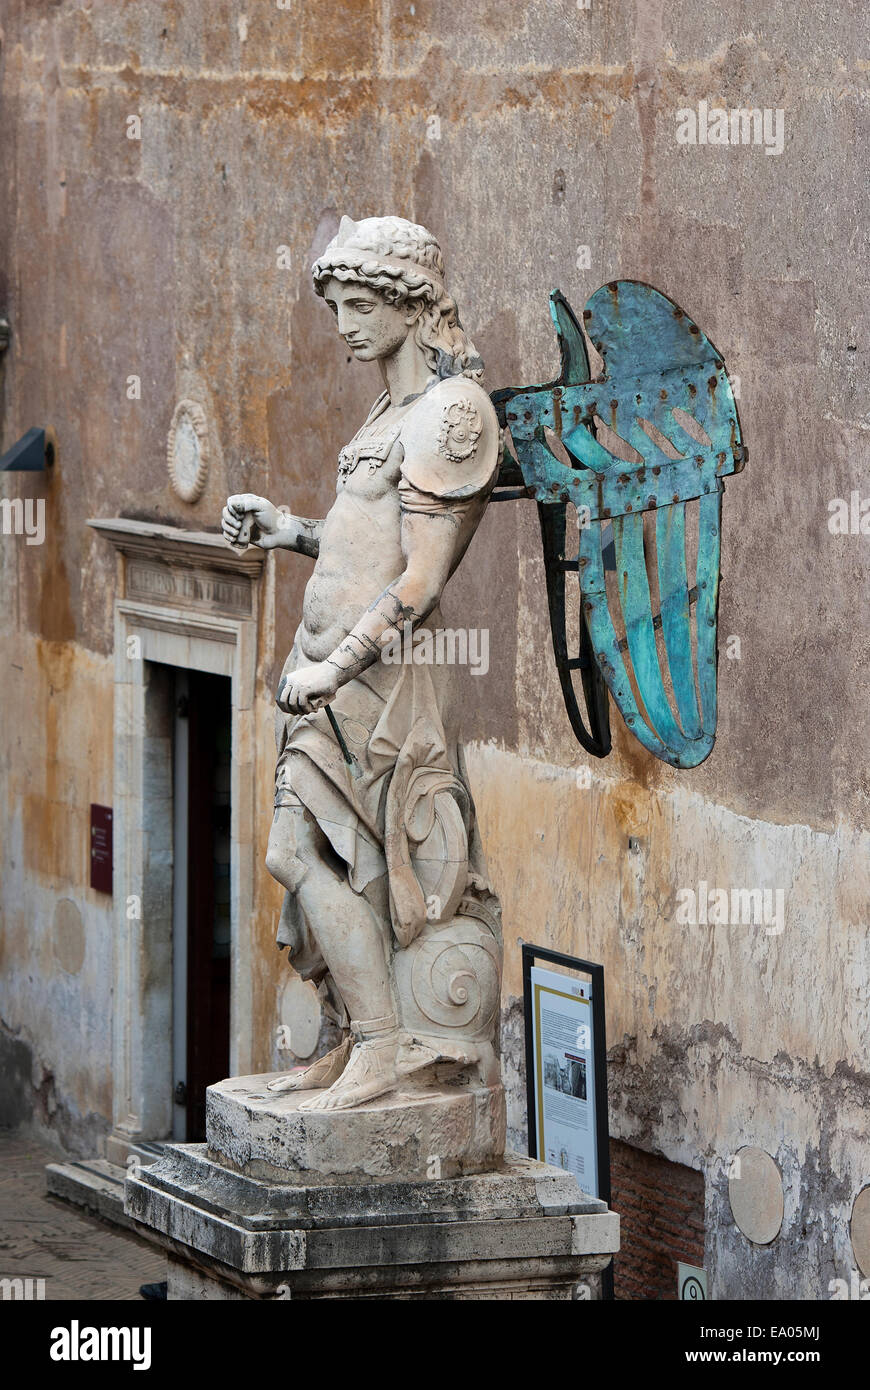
x,y
97,1185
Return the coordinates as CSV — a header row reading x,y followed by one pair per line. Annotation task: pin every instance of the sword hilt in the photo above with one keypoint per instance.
x,y
243,539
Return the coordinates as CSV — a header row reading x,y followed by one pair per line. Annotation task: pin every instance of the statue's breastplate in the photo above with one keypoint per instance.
x,y
364,465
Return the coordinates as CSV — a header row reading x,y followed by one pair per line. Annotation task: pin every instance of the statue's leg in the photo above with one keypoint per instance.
x,y
353,943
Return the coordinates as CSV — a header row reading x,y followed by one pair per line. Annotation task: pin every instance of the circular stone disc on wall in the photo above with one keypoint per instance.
x,y
68,931
299,1010
187,451
859,1230
755,1193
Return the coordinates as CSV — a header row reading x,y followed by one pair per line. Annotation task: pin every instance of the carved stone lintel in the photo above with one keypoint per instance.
x,y
171,567
153,540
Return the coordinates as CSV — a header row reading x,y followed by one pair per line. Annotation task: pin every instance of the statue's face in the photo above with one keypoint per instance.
x,y
371,327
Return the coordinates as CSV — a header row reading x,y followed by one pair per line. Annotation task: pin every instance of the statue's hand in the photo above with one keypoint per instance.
x,y
266,518
305,690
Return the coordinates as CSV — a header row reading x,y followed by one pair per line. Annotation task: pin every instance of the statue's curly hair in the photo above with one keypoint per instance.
x,y
438,332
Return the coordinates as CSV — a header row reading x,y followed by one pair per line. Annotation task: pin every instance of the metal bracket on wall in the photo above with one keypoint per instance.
x,y
33,453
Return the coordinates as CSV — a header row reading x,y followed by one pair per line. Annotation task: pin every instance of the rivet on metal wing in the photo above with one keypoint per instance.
x,y
656,432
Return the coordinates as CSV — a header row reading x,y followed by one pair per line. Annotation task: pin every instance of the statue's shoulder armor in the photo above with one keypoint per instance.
x,y
450,440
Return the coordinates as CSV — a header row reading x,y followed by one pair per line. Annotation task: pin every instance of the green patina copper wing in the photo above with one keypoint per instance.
x,y
640,452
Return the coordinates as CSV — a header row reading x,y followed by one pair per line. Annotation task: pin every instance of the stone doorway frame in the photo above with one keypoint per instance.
x,y
184,599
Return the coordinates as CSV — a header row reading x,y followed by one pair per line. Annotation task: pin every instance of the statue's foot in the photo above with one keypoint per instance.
x,y
321,1073
376,1066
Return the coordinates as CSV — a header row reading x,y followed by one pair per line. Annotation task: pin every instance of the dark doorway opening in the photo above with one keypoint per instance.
x,y
201,910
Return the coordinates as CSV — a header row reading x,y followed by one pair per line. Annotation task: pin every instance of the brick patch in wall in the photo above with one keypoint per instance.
x,y
661,1209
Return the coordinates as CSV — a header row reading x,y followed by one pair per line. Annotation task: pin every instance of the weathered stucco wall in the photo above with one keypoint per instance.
x,y
556,126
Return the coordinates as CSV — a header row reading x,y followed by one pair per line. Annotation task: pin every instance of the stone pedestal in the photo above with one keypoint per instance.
x,y
429,1131
367,1203
524,1230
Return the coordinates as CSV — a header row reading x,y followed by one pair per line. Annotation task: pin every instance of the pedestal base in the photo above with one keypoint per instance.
x,y
523,1230
426,1132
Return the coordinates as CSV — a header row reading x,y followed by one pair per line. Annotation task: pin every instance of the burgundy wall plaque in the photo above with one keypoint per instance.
x,y
101,848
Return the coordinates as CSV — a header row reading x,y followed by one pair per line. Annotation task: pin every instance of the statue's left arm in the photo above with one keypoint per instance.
x,y
450,459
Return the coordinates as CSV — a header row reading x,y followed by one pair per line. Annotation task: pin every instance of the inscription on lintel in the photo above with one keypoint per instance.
x,y
192,587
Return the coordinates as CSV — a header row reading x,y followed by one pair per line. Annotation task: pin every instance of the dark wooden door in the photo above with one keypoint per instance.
x,y
208,892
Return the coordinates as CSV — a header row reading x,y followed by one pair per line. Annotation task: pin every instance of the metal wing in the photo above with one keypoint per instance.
x,y
657,430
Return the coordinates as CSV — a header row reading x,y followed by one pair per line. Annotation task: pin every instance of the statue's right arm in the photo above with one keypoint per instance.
x,y
272,527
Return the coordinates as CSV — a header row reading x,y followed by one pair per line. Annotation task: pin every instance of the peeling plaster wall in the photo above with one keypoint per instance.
x,y
158,258
720,1035
56,943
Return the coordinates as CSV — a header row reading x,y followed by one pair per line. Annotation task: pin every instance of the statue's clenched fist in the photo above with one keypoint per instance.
x,y
249,518
309,688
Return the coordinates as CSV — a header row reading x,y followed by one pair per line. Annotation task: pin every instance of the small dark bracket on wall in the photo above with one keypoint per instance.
x,y
33,453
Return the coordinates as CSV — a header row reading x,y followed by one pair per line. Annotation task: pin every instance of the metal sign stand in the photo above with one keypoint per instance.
x,y
532,954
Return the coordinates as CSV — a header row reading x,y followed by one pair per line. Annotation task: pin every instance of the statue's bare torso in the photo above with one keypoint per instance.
x,y
351,569
361,540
